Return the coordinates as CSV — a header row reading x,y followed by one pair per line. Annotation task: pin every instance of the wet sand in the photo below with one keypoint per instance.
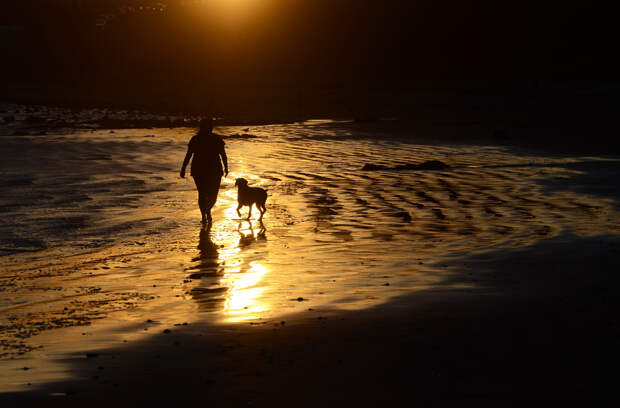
x,y
479,281
534,332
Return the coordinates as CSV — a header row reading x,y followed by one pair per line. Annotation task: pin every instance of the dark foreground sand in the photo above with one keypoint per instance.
x,y
541,329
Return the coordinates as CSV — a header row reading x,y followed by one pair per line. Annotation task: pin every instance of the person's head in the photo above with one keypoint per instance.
x,y
206,125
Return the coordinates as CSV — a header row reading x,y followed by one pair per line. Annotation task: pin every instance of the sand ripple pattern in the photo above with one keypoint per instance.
x,y
490,197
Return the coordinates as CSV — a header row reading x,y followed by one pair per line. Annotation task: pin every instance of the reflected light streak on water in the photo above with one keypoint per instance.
x,y
243,298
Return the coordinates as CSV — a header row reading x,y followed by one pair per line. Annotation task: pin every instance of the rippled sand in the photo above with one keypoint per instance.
x,y
100,240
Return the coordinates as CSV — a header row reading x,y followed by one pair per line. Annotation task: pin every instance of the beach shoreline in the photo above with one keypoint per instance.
x,y
549,116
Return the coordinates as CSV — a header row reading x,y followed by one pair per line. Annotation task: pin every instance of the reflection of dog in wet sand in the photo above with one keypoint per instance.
x,y
248,239
250,195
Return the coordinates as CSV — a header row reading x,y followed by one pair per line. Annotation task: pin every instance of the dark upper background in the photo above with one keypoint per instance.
x,y
184,55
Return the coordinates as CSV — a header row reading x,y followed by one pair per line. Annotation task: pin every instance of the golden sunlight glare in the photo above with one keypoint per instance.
x,y
231,11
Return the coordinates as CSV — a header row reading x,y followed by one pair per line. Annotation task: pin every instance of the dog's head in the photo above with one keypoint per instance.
x,y
241,182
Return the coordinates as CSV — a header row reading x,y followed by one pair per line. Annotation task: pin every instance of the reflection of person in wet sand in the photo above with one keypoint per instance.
x,y
208,250
207,149
208,291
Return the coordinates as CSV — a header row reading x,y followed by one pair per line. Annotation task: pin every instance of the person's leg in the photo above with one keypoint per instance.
x,y
204,210
211,190
201,197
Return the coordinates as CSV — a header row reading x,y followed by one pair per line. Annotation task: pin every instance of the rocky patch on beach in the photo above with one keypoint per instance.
x,y
36,120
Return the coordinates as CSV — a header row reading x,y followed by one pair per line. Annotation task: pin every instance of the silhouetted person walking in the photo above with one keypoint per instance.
x,y
206,169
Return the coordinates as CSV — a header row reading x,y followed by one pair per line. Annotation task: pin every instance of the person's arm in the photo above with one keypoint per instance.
x,y
224,160
186,160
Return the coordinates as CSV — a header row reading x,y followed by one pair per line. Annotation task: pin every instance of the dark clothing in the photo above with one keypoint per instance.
x,y
207,183
208,151
206,162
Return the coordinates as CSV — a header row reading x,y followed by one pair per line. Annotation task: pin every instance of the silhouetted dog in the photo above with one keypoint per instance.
x,y
250,195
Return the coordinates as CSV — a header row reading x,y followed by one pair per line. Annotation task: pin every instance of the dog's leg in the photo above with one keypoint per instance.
x,y
250,212
262,211
238,208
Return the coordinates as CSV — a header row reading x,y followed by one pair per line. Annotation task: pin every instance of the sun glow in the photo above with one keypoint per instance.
x,y
231,11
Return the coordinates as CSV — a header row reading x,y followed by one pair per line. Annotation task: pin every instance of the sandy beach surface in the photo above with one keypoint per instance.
x,y
492,282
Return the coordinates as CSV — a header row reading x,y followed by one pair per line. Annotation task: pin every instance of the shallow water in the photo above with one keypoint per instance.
x,y
99,234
